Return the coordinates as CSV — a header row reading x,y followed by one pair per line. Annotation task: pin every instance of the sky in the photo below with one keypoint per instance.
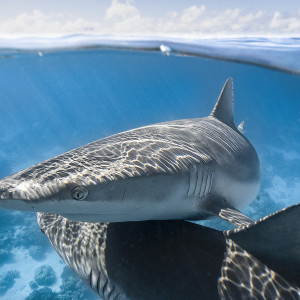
x,y
135,17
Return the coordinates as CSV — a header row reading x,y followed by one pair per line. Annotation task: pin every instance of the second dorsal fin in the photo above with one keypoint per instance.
x,y
223,109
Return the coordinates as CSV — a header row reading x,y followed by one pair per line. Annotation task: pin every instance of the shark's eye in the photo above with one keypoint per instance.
x,y
79,193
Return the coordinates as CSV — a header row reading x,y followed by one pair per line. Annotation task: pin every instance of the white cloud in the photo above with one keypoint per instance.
x,y
40,23
285,23
125,17
121,11
192,14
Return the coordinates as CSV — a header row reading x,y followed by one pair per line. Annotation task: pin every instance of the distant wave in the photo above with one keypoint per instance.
x,y
281,54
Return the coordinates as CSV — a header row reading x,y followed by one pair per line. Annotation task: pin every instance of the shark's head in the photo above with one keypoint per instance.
x,y
67,184
34,191
63,184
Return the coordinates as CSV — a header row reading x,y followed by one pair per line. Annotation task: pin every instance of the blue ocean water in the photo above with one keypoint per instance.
x,y
67,94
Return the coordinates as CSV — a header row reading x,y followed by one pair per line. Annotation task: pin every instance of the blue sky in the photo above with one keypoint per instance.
x,y
189,17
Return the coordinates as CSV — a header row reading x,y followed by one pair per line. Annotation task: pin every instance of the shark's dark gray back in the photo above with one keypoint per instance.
x,y
147,150
165,148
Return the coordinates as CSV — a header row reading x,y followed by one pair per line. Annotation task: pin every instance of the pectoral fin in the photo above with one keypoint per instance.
x,y
228,213
220,208
234,216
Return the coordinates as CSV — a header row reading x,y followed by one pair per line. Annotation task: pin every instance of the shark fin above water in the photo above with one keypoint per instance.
x,y
149,260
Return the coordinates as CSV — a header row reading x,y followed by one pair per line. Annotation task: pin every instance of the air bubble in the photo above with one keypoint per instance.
x,y
166,50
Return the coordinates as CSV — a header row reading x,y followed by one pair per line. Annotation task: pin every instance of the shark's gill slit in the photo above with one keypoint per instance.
x,y
205,172
208,182
198,181
192,180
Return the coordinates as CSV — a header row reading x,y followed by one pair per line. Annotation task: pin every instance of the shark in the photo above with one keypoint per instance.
x,y
188,169
176,259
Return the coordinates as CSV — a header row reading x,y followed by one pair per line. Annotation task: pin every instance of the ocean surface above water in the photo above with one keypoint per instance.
x,y
60,93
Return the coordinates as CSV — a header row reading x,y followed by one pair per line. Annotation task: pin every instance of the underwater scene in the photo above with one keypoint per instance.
x,y
62,93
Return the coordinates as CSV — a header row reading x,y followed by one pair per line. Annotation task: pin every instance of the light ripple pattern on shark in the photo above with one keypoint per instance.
x,y
275,240
184,169
76,243
244,277
178,259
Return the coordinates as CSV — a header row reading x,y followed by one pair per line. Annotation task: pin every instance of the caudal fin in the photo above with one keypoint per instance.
x,y
275,241
245,277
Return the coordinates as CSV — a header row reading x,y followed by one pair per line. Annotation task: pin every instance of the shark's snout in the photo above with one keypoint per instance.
x,y
5,191
22,194
21,189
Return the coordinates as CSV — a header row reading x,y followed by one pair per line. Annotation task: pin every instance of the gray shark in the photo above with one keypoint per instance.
x,y
184,169
181,260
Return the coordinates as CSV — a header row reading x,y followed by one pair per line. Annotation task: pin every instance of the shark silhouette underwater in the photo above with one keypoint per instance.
x,y
186,169
182,260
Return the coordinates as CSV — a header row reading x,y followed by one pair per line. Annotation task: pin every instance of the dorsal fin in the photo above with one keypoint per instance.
x,y
223,109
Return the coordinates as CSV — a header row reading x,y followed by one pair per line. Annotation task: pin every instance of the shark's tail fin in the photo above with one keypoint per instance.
x,y
275,241
245,277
